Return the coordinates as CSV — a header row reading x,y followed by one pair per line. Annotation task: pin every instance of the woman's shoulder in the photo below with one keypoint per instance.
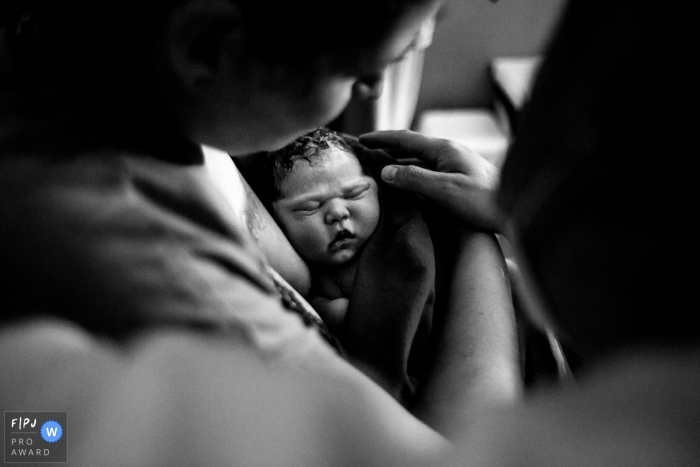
x,y
126,233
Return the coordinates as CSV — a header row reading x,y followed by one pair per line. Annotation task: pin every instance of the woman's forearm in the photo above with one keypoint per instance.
x,y
476,358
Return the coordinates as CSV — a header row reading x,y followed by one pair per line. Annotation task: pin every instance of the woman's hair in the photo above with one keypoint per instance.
x,y
111,32
56,37
265,172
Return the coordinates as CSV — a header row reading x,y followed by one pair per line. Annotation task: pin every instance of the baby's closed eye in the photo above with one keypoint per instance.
x,y
356,191
307,207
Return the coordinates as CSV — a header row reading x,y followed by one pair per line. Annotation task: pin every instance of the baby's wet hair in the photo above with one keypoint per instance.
x,y
307,147
274,166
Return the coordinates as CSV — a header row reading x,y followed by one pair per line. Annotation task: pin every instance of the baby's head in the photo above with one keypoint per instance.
x,y
322,199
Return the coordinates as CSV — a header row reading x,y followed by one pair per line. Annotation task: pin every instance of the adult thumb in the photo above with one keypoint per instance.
x,y
413,178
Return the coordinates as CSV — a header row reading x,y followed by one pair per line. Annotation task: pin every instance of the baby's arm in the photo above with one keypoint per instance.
x,y
331,310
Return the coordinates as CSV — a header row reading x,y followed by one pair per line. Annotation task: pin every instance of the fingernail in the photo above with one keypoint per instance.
x,y
389,173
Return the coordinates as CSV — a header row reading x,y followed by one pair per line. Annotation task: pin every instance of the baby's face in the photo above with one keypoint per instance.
x,y
329,209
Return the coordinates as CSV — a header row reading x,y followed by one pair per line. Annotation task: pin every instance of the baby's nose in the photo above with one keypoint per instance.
x,y
337,211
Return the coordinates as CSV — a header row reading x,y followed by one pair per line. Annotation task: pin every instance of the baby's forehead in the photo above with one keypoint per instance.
x,y
321,160
333,151
329,167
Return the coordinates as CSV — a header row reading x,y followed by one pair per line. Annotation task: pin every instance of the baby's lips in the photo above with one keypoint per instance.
x,y
341,243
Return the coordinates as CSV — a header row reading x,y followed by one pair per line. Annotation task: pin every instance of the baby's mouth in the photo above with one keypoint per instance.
x,y
342,239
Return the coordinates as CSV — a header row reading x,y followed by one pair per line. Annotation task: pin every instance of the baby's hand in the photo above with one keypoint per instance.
x,y
332,311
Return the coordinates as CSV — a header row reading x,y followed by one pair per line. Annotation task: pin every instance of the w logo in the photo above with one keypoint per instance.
x,y
51,431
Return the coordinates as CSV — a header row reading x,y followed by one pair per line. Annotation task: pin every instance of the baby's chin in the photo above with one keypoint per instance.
x,y
337,259
344,256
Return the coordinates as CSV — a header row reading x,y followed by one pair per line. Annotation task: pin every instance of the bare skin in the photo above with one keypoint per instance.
x,y
331,291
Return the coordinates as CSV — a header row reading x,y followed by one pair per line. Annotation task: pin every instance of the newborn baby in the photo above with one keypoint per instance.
x,y
367,247
328,208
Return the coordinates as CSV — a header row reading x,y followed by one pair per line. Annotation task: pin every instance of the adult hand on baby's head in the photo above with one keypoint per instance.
x,y
372,160
456,178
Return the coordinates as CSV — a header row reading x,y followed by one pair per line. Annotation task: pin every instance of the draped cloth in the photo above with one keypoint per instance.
x,y
390,312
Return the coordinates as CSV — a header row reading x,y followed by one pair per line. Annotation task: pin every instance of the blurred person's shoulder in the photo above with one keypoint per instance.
x,y
638,410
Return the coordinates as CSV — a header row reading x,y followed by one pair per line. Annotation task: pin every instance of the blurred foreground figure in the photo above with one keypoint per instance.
x,y
135,300
200,366
596,196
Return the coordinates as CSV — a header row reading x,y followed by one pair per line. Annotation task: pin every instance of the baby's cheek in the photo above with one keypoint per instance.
x,y
368,215
310,241
293,231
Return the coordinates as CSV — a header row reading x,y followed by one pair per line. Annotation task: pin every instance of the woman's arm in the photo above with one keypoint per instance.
x,y
476,359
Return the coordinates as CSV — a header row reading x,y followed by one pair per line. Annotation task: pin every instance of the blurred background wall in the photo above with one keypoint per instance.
x,y
449,70
468,34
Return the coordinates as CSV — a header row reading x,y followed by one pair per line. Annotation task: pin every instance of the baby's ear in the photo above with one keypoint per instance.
x,y
201,36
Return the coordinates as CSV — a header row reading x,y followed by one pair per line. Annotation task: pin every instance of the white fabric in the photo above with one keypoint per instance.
x,y
477,129
397,105
515,76
227,178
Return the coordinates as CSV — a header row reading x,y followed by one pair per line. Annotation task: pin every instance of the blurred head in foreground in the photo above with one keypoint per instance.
x,y
595,190
209,70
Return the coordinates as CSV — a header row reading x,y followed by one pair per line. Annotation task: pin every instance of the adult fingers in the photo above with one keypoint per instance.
x,y
448,190
411,161
366,154
413,178
468,202
441,154
405,142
